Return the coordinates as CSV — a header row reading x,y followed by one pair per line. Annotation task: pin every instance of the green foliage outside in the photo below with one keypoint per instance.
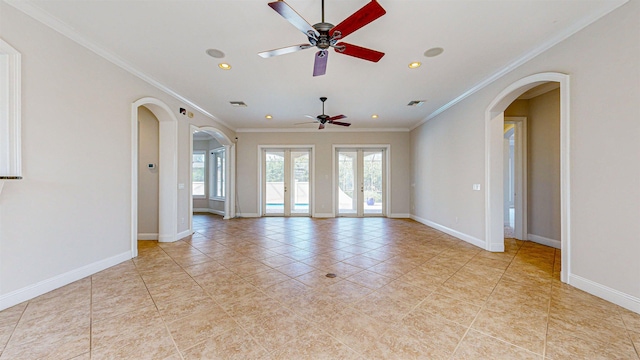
x,y
198,167
275,168
372,175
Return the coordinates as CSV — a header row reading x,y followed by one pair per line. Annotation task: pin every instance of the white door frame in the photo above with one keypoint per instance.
x,y
229,171
312,171
520,172
167,171
386,180
494,127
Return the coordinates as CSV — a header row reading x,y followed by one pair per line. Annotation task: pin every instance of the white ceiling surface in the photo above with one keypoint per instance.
x,y
166,41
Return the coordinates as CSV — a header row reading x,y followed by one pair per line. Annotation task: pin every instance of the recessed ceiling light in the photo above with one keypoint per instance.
x,y
268,117
224,66
374,116
433,52
215,53
415,65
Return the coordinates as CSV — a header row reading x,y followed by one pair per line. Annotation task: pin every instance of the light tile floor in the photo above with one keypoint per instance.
x,y
256,289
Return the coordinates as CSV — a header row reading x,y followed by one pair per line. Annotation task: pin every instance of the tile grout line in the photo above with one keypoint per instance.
x,y
91,320
4,349
484,306
546,332
166,327
225,311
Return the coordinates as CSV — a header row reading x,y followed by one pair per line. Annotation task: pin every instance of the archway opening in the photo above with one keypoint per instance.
x,y
167,170
494,155
218,162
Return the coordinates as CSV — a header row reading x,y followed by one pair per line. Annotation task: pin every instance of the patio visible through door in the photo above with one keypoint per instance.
x,y
360,182
286,182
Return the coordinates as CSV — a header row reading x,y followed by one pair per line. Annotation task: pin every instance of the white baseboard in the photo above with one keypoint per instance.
x,y
323,215
544,241
42,287
462,236
147,236
166,238
399,216
210,211
247,215
617,297
184,234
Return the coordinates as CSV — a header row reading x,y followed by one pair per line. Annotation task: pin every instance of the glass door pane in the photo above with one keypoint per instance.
x,y
274,191
347,182
372,181
300,184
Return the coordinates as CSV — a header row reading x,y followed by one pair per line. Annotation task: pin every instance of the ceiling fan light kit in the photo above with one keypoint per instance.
x,y
324,35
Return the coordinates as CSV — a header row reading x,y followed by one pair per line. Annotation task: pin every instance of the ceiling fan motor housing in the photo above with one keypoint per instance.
x,y
322,40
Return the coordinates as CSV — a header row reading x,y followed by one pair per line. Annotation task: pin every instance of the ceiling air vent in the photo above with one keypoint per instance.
x,y
237,103
416,103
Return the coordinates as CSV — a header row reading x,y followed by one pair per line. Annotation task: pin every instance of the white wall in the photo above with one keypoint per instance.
x,y
71,214
148,153
603,61
247,164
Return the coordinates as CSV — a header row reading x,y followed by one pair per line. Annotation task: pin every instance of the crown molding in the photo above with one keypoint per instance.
x,y
524,59
56,24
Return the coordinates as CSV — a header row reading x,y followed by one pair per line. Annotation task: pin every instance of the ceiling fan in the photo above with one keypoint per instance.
x,y
326,119
324,35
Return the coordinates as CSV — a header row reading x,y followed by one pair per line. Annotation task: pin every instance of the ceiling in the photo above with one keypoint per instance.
x,y
165,43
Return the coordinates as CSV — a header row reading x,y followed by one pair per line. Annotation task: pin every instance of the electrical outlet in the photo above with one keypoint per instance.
x,y
476,187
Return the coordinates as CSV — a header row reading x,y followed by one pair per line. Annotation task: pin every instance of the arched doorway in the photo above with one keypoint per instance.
x,y
167,169
229,173
494,128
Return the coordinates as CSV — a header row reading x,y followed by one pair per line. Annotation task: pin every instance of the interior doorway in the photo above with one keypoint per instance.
x,y
515,177
494,130
148,176
212,173
167,172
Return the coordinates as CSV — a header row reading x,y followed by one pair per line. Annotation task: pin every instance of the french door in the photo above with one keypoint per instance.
x,y
361,181
286,176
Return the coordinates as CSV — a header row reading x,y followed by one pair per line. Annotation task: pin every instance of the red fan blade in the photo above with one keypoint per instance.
x,y
321,127
337,117
293,17
340,123
286,50
320,64
358,19
359,52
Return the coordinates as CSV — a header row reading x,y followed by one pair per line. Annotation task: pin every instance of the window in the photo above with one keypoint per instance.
x,y
217,174
198,177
